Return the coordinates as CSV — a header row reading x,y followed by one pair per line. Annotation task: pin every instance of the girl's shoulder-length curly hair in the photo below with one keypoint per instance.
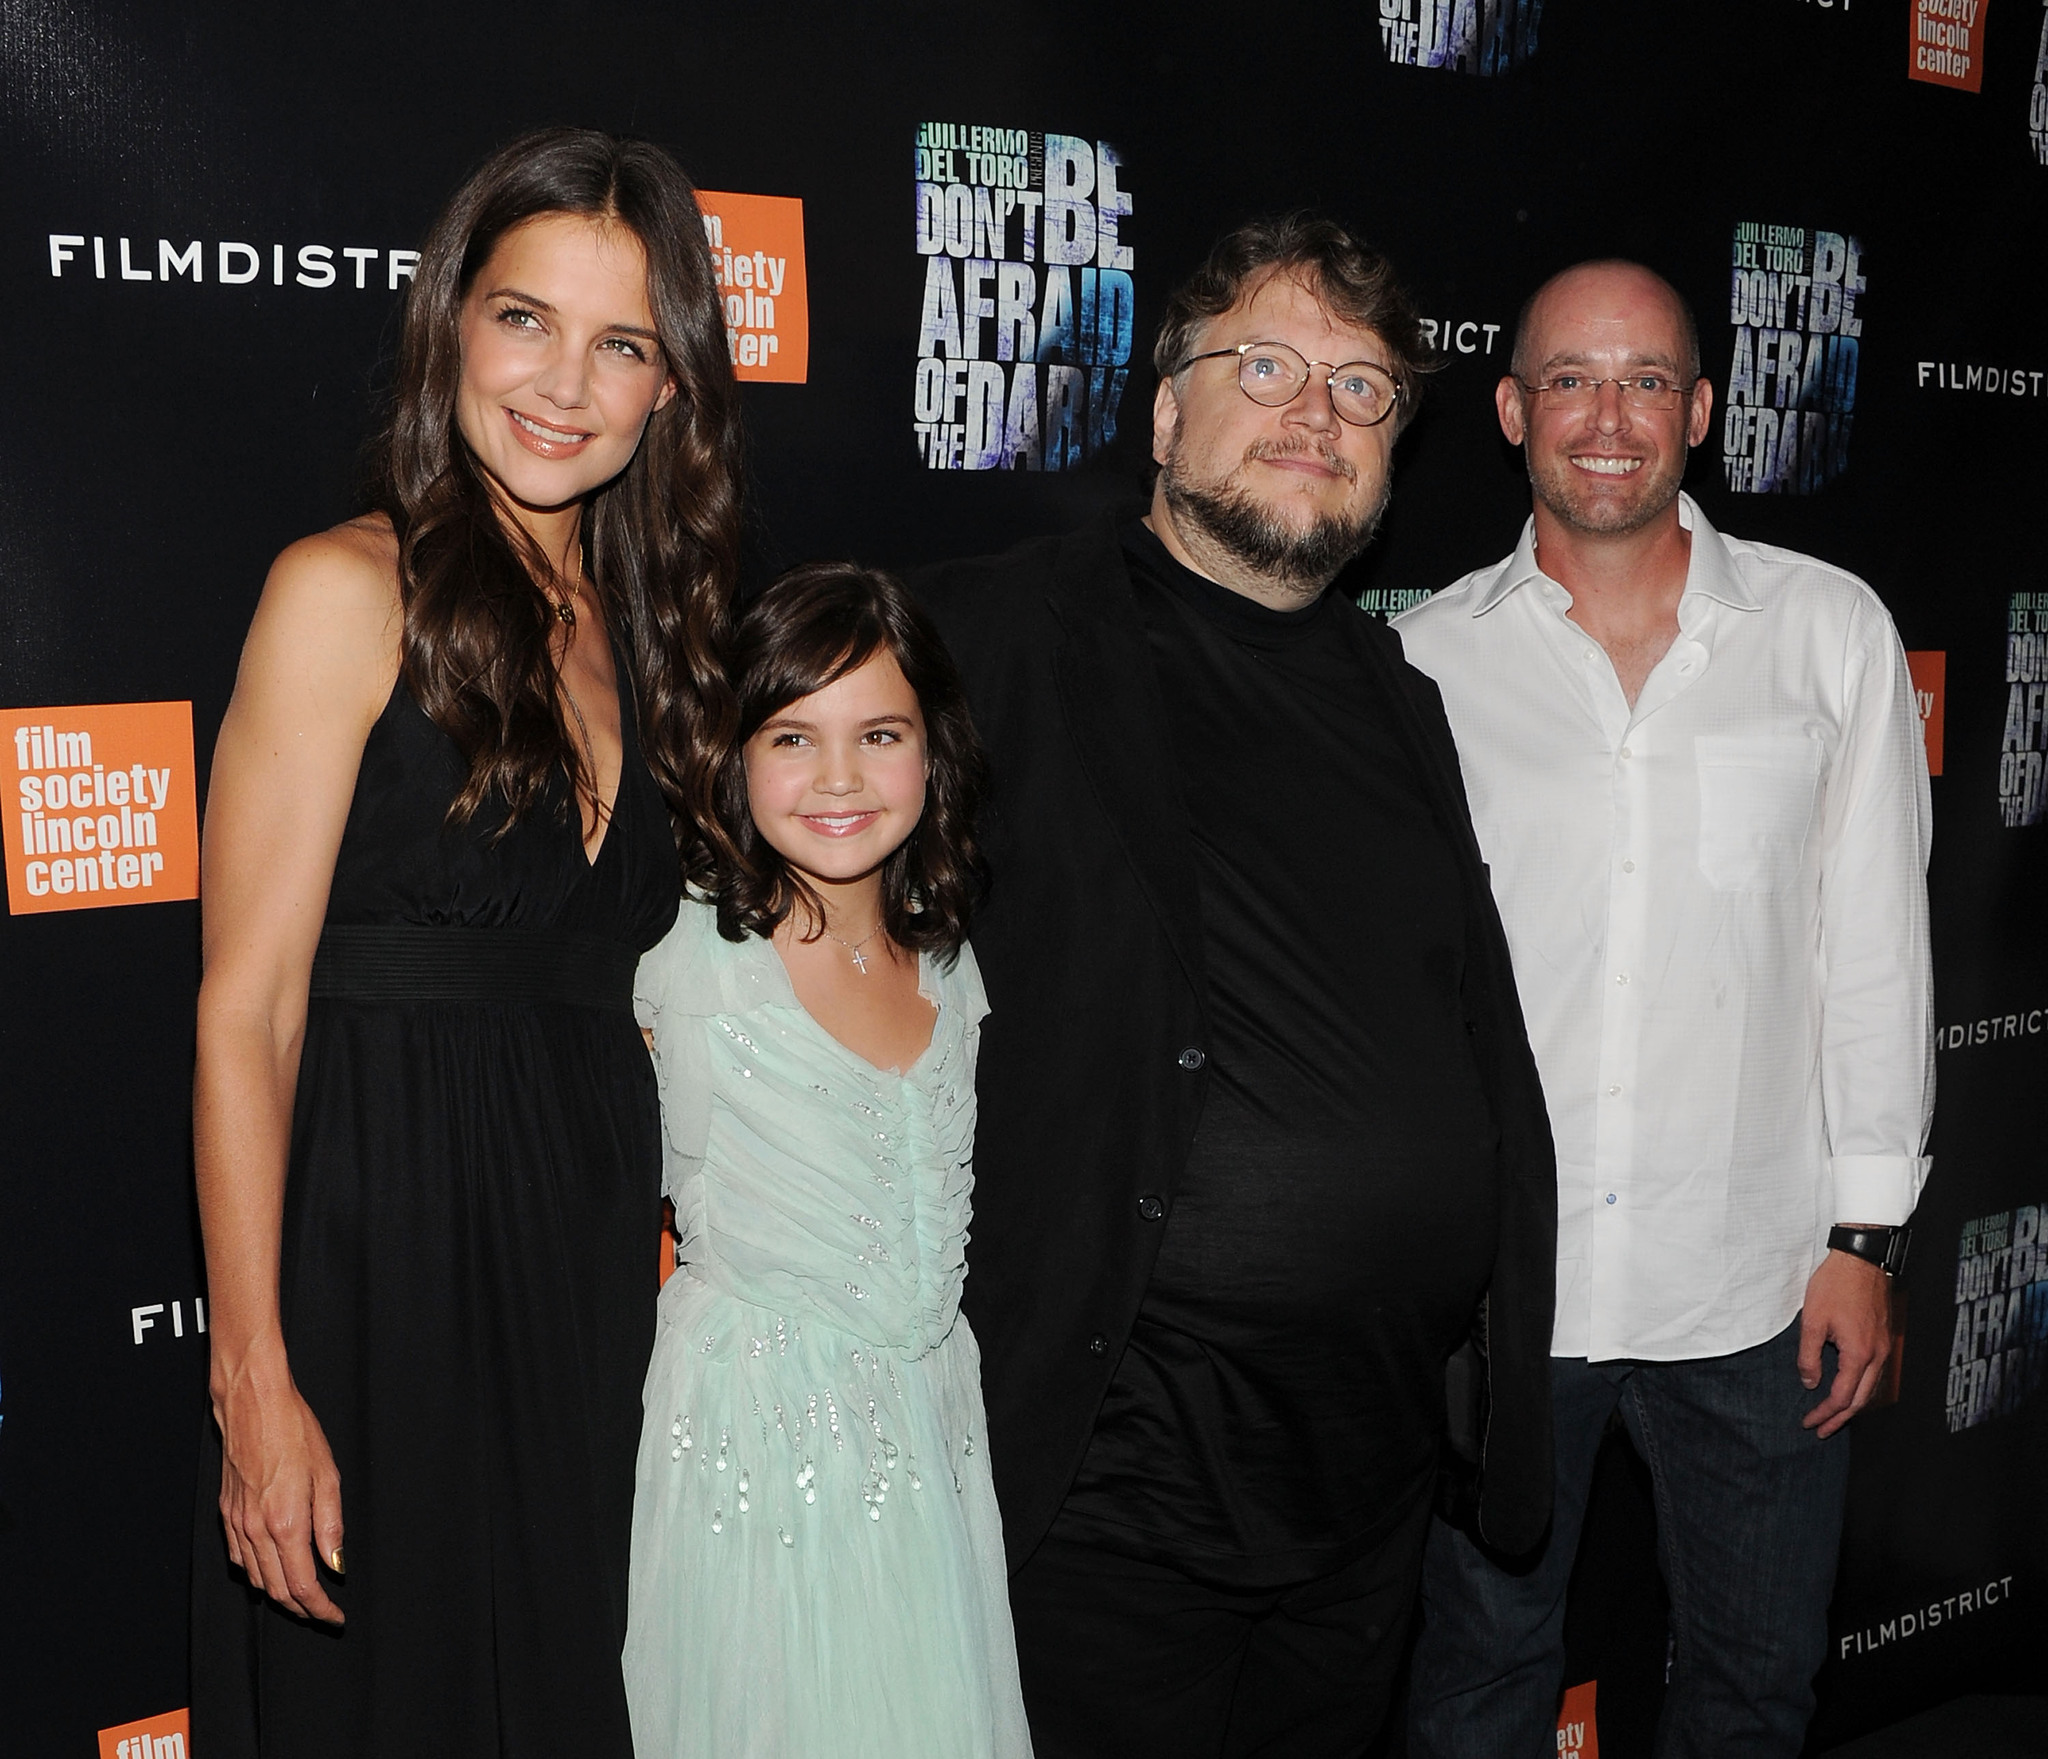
x,y
808,629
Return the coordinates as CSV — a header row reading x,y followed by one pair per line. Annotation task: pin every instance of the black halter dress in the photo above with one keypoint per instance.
x,y
469,1273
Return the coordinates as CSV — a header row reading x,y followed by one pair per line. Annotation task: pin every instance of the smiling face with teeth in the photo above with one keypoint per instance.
x,y
561,366
836,781
1605,469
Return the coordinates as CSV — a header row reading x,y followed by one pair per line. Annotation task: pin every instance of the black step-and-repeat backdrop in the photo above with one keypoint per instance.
x,y
945,234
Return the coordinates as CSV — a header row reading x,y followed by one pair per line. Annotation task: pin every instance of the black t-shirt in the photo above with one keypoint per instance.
x,y
1281,1399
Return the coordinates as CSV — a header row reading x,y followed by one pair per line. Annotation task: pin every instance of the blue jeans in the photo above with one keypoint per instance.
x,y
1749,1521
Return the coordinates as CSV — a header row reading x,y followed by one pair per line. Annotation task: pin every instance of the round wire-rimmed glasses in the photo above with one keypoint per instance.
x,y
1637,390
1272,374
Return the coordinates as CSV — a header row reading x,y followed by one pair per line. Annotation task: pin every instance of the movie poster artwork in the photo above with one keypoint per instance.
x,y
2037,109
1481,37
1024,338
1791,380
2022,799
2000,1343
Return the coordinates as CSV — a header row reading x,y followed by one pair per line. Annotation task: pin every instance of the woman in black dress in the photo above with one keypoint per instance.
x,y
443,824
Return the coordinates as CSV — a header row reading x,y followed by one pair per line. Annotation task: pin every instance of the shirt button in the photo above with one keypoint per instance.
x,y
1628,867
1098,1345
1610,1197
1191,1058
1625,752
1621,977
1614,1092
1150,1207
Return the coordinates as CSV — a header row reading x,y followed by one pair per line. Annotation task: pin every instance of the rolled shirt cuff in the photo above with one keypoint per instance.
x,y
1877,1189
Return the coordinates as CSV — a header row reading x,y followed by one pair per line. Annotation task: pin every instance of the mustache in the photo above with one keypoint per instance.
x,y
1265,451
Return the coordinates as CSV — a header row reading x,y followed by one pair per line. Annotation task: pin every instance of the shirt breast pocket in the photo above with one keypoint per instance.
x,y
1757,793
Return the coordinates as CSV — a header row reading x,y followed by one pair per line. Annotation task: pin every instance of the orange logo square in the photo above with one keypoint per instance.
x,y
1930,691
167,1736
757,250
1578,1733
101,805
1945,43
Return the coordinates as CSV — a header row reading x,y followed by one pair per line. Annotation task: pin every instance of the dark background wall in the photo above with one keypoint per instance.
x,y
165,438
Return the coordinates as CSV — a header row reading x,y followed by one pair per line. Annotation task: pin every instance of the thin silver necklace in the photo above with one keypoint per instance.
x,y
854,947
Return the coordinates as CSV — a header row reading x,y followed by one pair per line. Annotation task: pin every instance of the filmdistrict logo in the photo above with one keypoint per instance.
x,y
1923,1619
1993,381
233,264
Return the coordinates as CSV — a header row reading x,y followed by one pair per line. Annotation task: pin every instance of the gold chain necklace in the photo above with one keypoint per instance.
x,y
565,609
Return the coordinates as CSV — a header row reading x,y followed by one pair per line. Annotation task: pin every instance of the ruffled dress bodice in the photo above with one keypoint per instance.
x,y
805,1179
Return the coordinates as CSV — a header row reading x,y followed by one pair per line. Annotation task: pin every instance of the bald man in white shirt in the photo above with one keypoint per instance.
x,y
1696,771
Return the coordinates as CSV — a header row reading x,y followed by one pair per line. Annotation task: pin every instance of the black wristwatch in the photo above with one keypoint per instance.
x,y
1883,1247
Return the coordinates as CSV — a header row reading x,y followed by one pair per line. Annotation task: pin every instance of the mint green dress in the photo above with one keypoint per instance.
x,y
817,1566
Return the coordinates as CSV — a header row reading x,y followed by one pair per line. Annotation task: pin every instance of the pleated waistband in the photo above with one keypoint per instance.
x,y
416,964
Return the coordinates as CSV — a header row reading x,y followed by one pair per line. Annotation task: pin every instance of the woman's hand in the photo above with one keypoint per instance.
x,y
315,674
280,1494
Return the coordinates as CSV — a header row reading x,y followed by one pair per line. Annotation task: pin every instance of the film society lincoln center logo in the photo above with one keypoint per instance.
x,y
102,807
154,1737
757,253
1024,337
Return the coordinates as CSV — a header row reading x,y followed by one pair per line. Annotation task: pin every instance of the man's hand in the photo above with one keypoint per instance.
x,y
1848,1304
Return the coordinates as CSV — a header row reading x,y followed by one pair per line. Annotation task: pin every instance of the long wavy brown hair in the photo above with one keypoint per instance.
x,y
661,539
808,629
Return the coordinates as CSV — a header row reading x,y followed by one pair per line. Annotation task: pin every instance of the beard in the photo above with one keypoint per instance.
x,y
1295,561
1656,487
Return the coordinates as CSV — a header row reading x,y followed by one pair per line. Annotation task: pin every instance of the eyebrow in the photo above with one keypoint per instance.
x,y
1641,357
540,304
790,721
1348,360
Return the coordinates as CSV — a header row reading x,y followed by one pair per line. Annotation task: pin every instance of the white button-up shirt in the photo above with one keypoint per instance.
x,y
1717,906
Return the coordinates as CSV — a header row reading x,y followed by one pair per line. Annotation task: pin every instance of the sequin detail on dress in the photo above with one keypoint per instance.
x,y
813,1328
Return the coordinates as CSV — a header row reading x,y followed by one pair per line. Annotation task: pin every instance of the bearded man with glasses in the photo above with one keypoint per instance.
x,y
1696,769
1260,1134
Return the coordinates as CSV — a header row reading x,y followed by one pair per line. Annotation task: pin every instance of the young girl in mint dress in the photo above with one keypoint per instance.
x,y
817,1562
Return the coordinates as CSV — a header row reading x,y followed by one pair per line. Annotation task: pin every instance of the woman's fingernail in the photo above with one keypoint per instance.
x,y
334,1562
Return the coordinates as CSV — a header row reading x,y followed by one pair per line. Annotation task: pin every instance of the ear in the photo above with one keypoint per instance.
x,y
1507,403
668,394
1702,413
1165,415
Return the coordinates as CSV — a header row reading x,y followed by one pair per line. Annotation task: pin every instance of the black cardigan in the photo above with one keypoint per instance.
x,y
1091,1075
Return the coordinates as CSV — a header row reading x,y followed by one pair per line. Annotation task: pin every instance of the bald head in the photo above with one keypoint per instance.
x,y
1602,283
